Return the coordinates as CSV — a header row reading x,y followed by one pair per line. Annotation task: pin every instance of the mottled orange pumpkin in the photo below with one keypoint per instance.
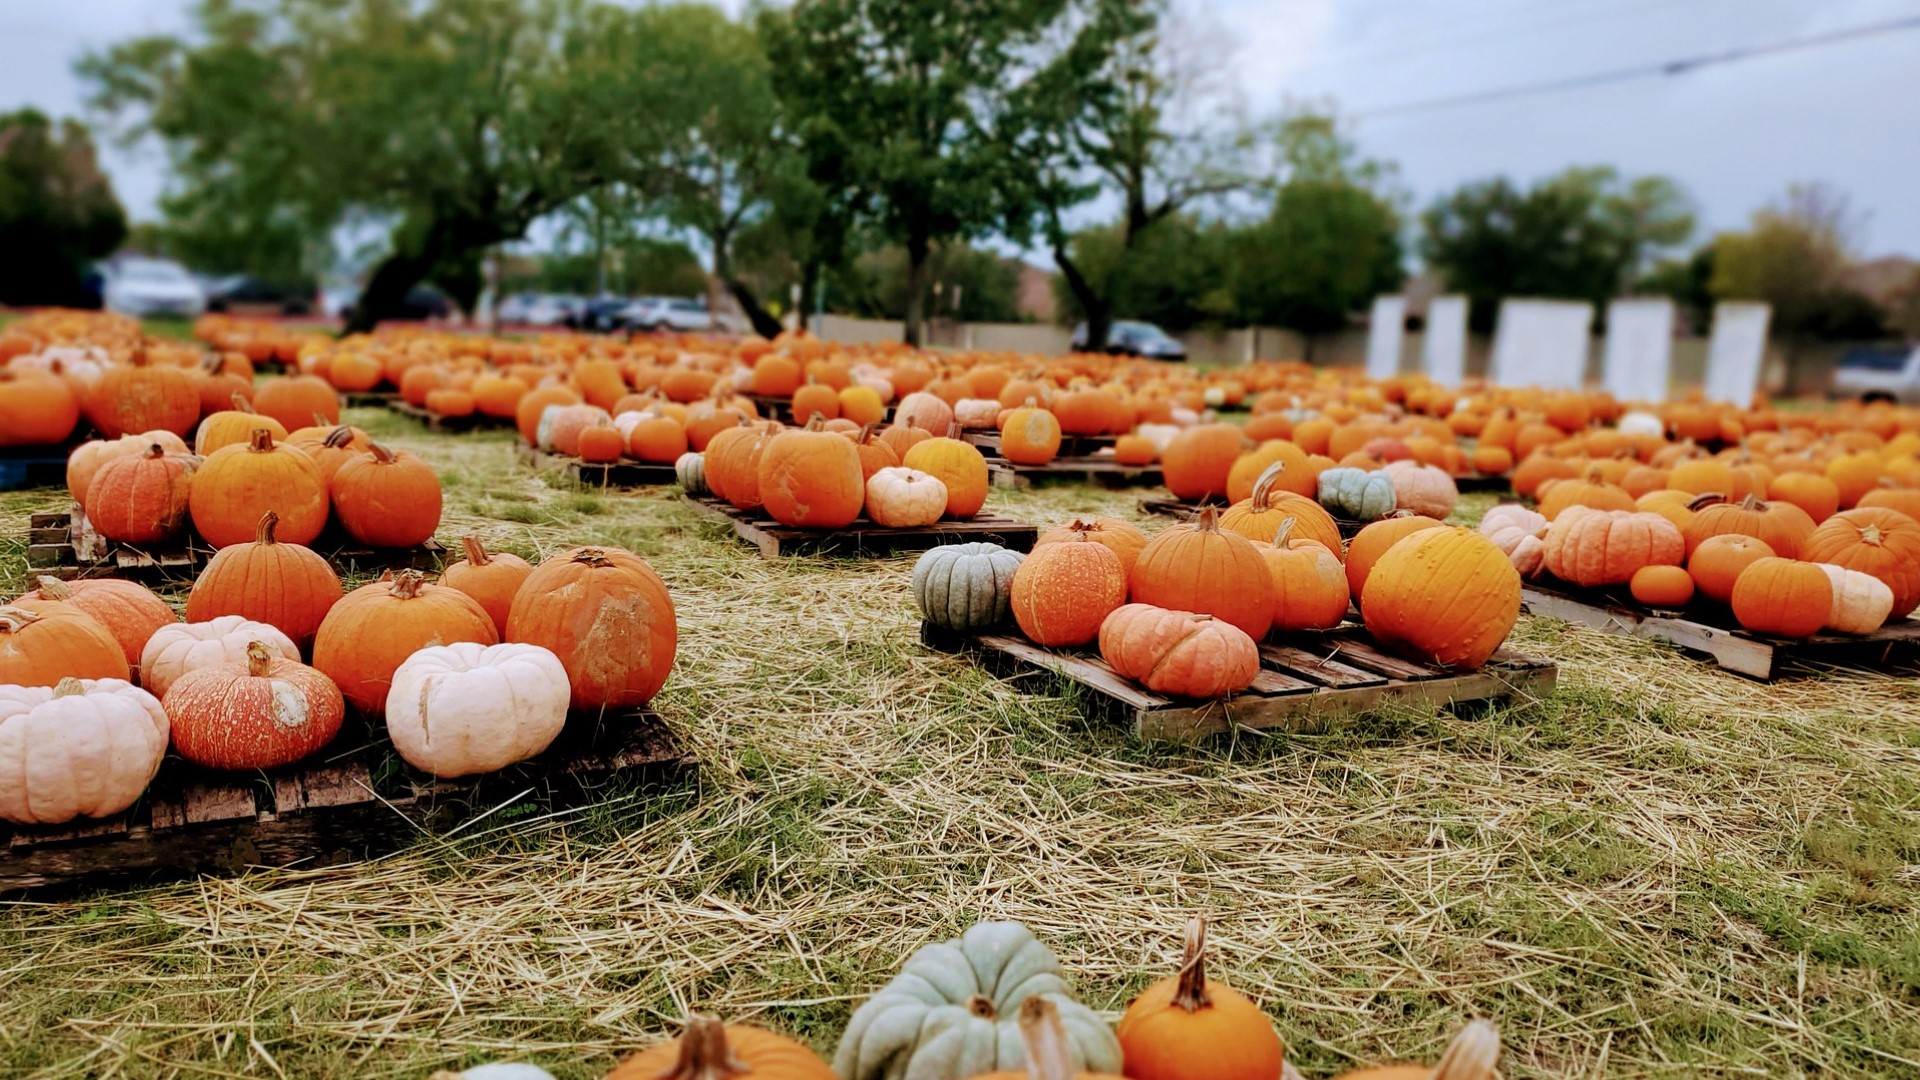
x,y
1030,436
141,498
1124,537
238,484
130,612
1445,596
270,713
285,585
810,478
1201,568
607,616
1062,592
374,628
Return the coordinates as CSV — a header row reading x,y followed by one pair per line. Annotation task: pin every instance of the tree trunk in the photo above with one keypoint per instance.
x,y
811,273
763,324
386,291
1098,311
919,268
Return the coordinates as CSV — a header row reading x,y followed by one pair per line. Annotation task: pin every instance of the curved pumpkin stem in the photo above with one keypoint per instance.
x,y
13,619
866,434
241,404
261,441
817,422
338,439
1705,499
1191,994
407,584
476,551
1472,1055
52,588
269,521
1263,486
704,1053
1049,1055
259,659
381,454
1280,535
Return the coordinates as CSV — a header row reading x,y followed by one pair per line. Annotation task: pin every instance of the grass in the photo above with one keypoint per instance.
x,y
1661,871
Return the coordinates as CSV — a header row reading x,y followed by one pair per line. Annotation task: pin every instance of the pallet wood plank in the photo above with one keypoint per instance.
x,y
216,802
1270,681
863,537
1321,667
338,785
1363,654
87,554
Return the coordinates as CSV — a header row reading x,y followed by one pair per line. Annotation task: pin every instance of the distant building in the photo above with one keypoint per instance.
x,y
1035,298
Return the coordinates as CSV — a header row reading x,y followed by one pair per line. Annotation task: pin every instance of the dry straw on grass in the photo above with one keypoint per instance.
x,y
1662,871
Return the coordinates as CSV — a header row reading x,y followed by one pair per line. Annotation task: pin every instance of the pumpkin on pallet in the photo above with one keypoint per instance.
x,y
129,611
261,714
1260,514
284,585
239,483
607,616
492,578
958,465
386,499
810,478
141,498
1178,652
1445,596
45,641
966,588
467,708
80,748
178,648
375,628
1062,592
1202,568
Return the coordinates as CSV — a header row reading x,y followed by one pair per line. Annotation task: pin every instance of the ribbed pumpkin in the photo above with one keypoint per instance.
x,y
130,612
1719,561
924,411
607,616
1376,540
1473,1055
270,712
1190,1027
374,628
1423,489
1784,526
1309,583
1595,548
178,648
82,748
710,1050
1782,597
295,401
44,641
238,484
958,465
1062,592
1358,494
1590,492
901,438
1198,462
1518,532
902,498
1296,473
1178,652
875,453
142,396
1877,541
1259,517
733,463
1050,1054
1861,601
1031,436
387,500
1201,568
810,478
492,578
141,498
1446,596
281,584
235,425
965,588
1123,537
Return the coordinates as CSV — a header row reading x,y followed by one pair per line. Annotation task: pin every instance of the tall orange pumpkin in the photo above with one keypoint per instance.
x,y
373,629
387,500
1877,541
733,463
142,396
811,478
1446,596
1199,567
238,484
607,616
285,585
1190,1027
1062,592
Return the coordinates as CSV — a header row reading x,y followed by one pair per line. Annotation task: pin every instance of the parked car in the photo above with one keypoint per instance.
x,y
241,292
145,287
422,303
651,313
1128,338
1879,373
603,313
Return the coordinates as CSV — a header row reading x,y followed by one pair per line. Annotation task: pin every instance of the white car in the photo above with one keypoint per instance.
x,y
668,313
144,288
1879,372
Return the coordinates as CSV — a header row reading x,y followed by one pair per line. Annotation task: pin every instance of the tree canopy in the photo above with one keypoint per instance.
x,y
1791,257
57,210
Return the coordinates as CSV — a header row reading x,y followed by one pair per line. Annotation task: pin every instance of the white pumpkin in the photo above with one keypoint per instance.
x,y
178,648
84,748
903,498
1423,489
466,708
1158,434
1861,602
1517,532
977,414
1642,423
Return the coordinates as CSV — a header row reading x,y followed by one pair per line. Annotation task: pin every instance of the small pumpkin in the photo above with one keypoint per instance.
x,y
1062,592
178,648
386,499
1783,597
1423,489
1190,1027
1202,568
1309,582
710,1050
467,708
80,748
130,612
902,498
1861,601
959,466
1518,532
691,470
1178,652
239,483
374,628
45,641
608,617
141,498
1124,537
1445,595
492,578
965,588
1719,561
269,712
1662,586
1358,494
283,585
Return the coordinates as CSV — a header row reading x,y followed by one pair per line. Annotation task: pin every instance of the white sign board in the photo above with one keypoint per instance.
x,y
1639,357
1443,353
1541,343
1734,353
1386,331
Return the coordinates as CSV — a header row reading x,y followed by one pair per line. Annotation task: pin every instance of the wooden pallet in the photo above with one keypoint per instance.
x,y
369,399
618,474
780,408
864,538
1709,629
1083,470
1307,682
357,801
1071,446
448,425
1187,511
64,545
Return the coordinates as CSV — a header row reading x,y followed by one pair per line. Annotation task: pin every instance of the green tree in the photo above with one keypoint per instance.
x,y
1686,283
1791,257
968,284
1581,235
57,210
910,109
457,122
1174,275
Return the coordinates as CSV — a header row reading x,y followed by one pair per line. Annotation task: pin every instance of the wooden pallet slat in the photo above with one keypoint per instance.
x,y
447,425
1321,668
66,546
864,538
623,473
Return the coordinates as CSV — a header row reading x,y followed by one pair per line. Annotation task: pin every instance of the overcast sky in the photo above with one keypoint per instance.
x,y
1733,135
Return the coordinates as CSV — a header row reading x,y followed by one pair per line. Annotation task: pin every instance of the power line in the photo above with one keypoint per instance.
x,y
1665,68
1497,32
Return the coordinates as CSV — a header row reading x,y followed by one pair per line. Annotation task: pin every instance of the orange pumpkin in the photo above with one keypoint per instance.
x,y
238,484
602,444
958,465
1903,500
1309,582
234,425
659,438
1662,586
1814,494
387,500
1445,596
141,499
1197,463
811,478
44,641
1063,592
1376,540
374,628
1201,568
1783,597
296,400
1190,1027
35,409
607,616
1178,652
1123,537
284,585
143,396
709,1050
130,612
270,713
1784,526
1877,541
1031,436
1260,515
1719,561
492,578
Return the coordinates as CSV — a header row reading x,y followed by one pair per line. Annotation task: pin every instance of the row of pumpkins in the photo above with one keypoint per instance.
x,y
994,1004
472,673
1182,613
148,488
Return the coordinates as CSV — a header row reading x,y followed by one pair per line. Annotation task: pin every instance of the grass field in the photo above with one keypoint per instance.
x,y
1662,871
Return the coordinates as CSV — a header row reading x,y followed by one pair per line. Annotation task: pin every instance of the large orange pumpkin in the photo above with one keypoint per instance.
x,y
1198,462
1200,568
285,585
272,712
238,484
607,616
1783,597
43,642
130,612
142,396
1784,526
1063,592
811,478
1190,1027
35,409
1446,596
1877,541
492,578
387,500
374,628
141,498
297,401
959,465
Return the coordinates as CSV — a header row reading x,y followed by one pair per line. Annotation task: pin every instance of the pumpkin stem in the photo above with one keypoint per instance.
x,y
1049,1056
1208,519
1752,502
13,619
1268,477
1191,993
407,584
476,551
380,453
338,439
155,451
268,522
592,556
704,1053
866,434
241,404
1472,1055
320,420
261,442
1870,534
1280,535
68,687
52,588
817,422
1705,499
259,659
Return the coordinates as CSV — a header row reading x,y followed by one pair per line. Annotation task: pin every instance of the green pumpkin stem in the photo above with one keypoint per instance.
x,y
704,1053
1191,993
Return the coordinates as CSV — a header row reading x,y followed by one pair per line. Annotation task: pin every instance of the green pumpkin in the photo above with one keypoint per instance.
x,y
965,588
691,471
1357,494
953,1012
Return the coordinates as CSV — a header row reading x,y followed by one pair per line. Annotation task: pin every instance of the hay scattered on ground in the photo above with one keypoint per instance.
x,y
1661,871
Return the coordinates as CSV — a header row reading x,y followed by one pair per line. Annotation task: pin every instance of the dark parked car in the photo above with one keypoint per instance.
x,y
601,313
423,302
240,292
1127,338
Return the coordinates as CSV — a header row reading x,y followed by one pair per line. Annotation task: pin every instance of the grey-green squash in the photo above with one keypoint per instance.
x,y
965,588
953,1012
1357,494
691,470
